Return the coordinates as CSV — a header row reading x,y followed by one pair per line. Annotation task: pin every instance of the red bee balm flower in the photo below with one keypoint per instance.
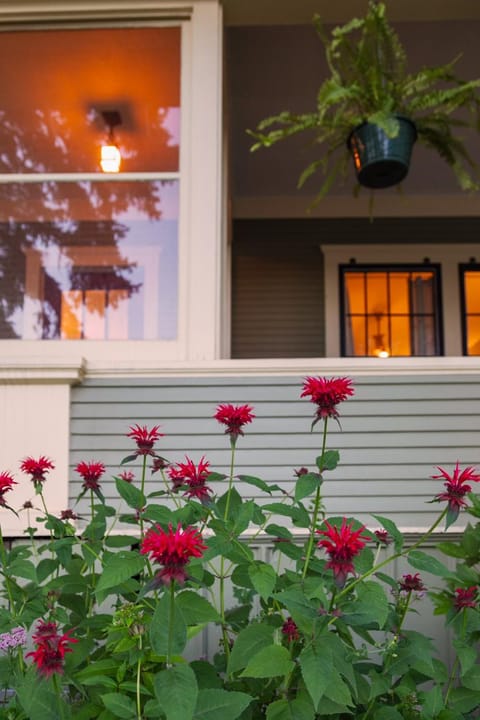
x,y
342,545
193,477
465,598
173,550
290,629
37,468
144,438
412,583
456,488
234,417
327,393
6,482
50,648
91,473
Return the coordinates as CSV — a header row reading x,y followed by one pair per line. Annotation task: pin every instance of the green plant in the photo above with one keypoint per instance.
x,y
321,633
369,82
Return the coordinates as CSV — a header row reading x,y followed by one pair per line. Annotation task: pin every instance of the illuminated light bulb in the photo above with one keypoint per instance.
x,y
110,159
383,354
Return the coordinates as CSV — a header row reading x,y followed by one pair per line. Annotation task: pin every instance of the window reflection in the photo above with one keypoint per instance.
x,y
101,263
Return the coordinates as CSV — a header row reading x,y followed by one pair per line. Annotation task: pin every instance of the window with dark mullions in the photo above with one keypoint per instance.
x,y
470,307
390,310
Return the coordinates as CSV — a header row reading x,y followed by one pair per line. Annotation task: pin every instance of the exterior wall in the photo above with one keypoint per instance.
x,y
393,434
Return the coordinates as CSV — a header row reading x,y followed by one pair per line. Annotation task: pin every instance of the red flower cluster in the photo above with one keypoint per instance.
x,y
465,598
290,629
193,477
37,468
412,583
69,515
327,393
50,648
456,489
91,472
383,537
234,417
6,482
342,545
145,438
173,550
127,475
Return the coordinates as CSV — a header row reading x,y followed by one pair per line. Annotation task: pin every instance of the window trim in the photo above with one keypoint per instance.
x,y
393,267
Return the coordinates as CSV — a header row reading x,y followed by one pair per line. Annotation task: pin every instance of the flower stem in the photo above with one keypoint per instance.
x,y
171,620
142,490
230,480
139,677
56,685
453,672
3,557
316,507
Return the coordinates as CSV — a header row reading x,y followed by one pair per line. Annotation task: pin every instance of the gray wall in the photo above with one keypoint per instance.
x,y
394,432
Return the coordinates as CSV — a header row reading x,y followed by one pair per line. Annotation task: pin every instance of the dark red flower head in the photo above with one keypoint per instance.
x,y
411,583
193,477
465,597
173,550
383,537
37,468
51,648
456,489
6,482
342,545
91,472
127,475
234,417
290,629
145,438
327,393
69,515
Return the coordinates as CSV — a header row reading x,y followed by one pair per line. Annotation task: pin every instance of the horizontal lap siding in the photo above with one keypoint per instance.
x,y
393,434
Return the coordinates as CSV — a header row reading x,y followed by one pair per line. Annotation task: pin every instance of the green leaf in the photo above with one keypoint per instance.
x,y
120,705
36,698
263,577
160,632
451,549
97,667
316,672
279,531
256,482
464,700
371,606
249,642
471,679
219,704
388,713
306,485
432,703
466,654
177,692
297,709
24,569
119,568
195,608
392,530
270,662
328,461
117,541
46,567
207,676
421,561
159,514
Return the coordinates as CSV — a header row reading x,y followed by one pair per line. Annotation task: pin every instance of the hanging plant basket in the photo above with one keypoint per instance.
x,y
381,161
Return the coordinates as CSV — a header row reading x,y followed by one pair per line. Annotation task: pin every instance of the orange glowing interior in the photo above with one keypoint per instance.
x,y
471,280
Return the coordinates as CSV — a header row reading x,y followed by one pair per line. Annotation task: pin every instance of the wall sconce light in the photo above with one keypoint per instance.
x,y
110,157
379,348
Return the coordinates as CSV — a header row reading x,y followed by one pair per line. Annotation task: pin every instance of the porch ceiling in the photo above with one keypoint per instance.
x,y
280,12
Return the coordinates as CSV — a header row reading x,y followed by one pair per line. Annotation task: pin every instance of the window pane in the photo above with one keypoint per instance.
x,y
68,78
354,292
101,263
473,335
355,337
399,293
377,295
472,291
400,339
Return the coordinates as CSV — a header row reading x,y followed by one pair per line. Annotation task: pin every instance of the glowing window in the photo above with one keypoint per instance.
x,y
470,288
390,311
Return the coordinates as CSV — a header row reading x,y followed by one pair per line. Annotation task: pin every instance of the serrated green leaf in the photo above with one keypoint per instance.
x,y
249,642
298,708
269,662
432,703
117,541
471,679
328,460
306,485
120,705
120,567
161,635
464,699
219,704
421,561
177,692
256,482
263,578
195,608
316,672
131,494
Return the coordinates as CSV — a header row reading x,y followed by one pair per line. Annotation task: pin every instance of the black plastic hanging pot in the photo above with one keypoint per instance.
x,y
381,161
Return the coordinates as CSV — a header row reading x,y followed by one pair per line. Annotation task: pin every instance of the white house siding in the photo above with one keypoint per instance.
x,y
393,434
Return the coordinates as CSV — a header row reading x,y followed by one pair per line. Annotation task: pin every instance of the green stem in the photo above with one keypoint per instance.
x,y
168,488
3,557
316,507
56,685
453,672
230,480
222,608
139,677
171,620
142,489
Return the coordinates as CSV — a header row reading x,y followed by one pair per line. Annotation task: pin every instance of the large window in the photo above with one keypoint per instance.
x,y
83,254
390,310
470,299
